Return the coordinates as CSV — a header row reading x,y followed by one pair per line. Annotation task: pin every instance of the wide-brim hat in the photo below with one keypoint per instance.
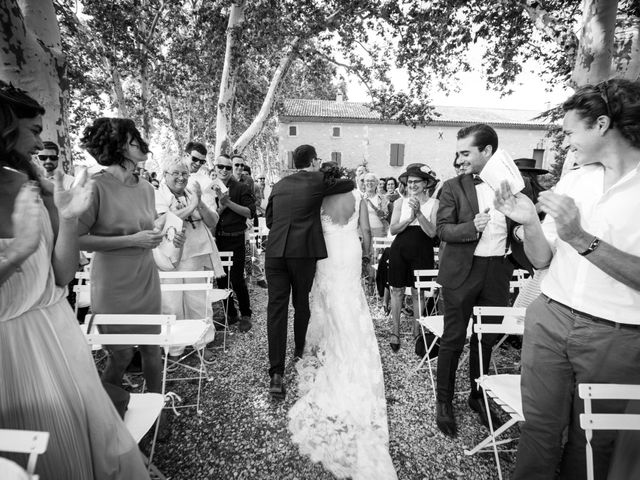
x,y
419,170
529,165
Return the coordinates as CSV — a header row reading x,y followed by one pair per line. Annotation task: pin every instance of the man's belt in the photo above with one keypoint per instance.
x,y
220,233
593,318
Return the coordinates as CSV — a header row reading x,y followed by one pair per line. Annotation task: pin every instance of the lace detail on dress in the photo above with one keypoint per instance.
x,y
340,418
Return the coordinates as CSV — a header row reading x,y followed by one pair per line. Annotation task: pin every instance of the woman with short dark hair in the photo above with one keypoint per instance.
x,y
119,227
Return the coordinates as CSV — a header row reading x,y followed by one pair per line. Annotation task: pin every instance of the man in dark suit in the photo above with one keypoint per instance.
x,y
295,244
474,269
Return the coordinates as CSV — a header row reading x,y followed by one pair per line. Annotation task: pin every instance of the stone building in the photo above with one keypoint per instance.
x,y
351,134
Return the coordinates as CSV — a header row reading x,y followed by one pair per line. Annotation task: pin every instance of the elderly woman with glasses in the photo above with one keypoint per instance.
x,y
414,224
199,250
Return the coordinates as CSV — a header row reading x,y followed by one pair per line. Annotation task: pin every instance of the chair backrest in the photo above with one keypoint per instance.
x,y
510,327
163,338
590,421
379,244
24,441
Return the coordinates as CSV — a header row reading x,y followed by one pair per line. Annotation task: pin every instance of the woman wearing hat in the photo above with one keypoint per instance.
x,y
414,223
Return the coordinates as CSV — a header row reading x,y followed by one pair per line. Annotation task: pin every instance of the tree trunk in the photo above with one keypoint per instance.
x,y
627,48
265,111
31,58
174,126
595,51
227,93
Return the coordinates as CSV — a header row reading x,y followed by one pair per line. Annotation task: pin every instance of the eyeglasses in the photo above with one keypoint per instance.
x,y
50,157
201,161
414,182
224,167
179,174
238,165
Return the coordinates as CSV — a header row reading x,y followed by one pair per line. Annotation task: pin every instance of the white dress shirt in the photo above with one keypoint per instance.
x,y
614,217
493,241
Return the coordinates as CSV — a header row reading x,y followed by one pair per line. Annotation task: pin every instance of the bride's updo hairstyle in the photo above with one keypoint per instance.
x,y
106,139
14,105
333,172
618,99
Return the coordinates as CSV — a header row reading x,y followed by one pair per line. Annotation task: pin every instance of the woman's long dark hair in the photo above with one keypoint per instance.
x,y
14,105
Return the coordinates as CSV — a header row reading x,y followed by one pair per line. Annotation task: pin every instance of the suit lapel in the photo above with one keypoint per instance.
x,y
469,190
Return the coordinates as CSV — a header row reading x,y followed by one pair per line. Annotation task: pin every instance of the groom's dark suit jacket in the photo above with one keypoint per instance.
x,y
295,230
458,207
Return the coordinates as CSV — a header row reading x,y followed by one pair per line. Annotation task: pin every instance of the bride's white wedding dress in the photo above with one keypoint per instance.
x,y
340,418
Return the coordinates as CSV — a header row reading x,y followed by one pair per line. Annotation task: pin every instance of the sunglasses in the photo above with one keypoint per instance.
x,y
238,165
224,167
198,160
50,157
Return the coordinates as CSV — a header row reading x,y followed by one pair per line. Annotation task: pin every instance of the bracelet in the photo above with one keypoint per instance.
x,y
5,259
595,243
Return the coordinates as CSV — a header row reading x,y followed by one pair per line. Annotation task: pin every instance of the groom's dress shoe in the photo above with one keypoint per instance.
x,y
478,406
297,353
276,386
445,420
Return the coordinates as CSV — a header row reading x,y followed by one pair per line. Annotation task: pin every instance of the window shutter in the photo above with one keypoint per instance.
x,y
393,155
336,157
336,131
293,131
290,160
400,154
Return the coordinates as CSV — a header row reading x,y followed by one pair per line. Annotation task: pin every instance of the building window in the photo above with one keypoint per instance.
x,y
396,155
293,130
336,132
290,160
336,157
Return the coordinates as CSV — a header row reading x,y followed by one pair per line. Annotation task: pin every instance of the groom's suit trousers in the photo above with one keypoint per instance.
x,y
287,276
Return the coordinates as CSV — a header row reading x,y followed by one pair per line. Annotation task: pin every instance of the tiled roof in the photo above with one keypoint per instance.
x,y
329,109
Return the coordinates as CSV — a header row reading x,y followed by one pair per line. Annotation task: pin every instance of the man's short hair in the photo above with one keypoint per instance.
x,y
483,135
197,146
237,155
48,145
618,99
303,155
225,156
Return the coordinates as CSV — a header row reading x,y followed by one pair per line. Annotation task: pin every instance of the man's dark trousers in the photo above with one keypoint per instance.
x,y
486,285
285,276
235,244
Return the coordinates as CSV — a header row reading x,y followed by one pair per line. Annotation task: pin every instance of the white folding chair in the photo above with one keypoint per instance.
x,y
25,441
427,288
590,421
222,295
190,332
82,289
145,408
378,244
504,389
518,280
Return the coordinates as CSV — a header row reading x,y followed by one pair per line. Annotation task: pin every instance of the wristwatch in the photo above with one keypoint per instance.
x,y
592,246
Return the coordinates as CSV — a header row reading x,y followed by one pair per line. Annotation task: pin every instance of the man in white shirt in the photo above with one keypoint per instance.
x,y
48,159
474,268
585,326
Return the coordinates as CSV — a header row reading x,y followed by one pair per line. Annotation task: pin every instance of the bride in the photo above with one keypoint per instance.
x,y
340,418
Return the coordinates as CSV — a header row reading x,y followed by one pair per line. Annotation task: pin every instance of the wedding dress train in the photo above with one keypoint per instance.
x,y
340,418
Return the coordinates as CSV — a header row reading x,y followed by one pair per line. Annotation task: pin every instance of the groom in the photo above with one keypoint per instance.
x,y
295,244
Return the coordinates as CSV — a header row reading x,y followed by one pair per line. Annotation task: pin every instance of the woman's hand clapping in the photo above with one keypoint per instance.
x,y
26,219
73,202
